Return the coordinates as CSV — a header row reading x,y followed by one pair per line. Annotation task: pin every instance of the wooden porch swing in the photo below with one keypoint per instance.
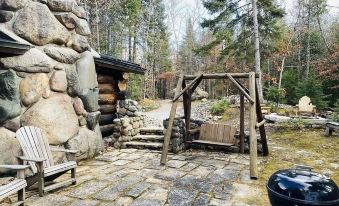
x,y
255,116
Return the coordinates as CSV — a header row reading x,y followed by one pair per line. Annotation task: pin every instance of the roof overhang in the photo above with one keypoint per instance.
x,y
10,47
110,63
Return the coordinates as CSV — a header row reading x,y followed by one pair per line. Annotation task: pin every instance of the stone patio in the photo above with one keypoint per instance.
x,y
136,178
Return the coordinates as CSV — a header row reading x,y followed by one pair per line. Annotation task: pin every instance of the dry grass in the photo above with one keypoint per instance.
x,y
289,148
149,104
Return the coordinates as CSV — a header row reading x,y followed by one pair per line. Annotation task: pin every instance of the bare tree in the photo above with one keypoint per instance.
x,y
257,47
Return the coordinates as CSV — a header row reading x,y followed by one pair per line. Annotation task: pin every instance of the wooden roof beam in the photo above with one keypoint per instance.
x,y
219,76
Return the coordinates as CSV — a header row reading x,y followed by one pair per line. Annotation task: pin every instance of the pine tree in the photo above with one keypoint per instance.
x,y
233,26
155,44
187,57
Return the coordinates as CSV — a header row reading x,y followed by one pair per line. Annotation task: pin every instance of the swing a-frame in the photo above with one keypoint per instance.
x,y
255,116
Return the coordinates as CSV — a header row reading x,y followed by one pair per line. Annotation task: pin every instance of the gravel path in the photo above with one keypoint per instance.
x,y
155,117
200,110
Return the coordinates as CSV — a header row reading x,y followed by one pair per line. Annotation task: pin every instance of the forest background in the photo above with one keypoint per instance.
x,y
299,44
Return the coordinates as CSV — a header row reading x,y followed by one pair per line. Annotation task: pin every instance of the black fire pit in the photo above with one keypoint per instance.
x,y
301,187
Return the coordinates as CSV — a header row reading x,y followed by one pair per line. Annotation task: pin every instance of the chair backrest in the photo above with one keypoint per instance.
x,y
217,133
34,144
305,104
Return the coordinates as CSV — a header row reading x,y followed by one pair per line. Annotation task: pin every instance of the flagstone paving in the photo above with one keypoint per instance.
x,y
135,178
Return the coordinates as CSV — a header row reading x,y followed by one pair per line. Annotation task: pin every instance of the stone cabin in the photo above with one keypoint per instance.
x,y
48,78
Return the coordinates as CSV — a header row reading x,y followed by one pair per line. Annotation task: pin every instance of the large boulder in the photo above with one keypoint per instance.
x,y
82,27
79,43
5,16
69,20
58,157
74,88
86,71
10,149
55,115
61,5
12,5
33,87
9,96
33,61
78,106
12,124
90,100
62,54
58,81
79,12
92,119
99,134
199,94
38,25
87,142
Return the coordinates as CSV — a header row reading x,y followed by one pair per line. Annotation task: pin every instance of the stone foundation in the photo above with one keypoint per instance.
x,y
53,85
179,133
130,120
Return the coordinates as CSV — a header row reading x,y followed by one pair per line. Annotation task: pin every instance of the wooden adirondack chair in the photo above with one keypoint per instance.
x,y
17,185
37,153
305,107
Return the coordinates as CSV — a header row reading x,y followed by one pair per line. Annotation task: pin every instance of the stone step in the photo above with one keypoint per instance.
x,y
152,130
143,145
148,138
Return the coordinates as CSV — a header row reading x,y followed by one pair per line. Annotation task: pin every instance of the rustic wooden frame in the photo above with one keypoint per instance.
x,y
251,94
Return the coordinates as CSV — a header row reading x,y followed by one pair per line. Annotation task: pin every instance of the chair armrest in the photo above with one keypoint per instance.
x,y
30,159
15,167
64,150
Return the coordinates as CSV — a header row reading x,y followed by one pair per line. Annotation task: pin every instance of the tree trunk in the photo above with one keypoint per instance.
x,y
129,45
97,25
322,35
308,55
134,44
268,71
257,47
281,71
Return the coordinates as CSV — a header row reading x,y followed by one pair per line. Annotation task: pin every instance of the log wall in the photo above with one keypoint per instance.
x,y
108,98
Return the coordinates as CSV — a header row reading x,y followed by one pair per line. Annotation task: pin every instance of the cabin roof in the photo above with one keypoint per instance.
x,y
108,62
11,47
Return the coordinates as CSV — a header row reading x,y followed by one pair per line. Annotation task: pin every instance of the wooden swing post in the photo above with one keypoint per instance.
x,y
170,124
252,123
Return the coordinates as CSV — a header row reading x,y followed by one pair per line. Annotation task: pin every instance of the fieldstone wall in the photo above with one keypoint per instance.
x,y
179,133
130,120
54,85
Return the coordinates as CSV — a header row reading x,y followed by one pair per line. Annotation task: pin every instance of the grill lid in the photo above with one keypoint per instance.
x,y
303,184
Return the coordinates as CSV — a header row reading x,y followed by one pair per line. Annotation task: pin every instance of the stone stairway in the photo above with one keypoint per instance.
x,y
149,138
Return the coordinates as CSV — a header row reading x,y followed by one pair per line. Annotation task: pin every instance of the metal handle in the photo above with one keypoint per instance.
x,y
304,167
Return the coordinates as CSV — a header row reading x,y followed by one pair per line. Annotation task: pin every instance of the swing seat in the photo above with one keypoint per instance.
x,y
216,134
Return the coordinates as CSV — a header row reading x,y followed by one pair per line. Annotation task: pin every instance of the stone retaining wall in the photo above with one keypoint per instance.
x,y
52,86
179,133
130,120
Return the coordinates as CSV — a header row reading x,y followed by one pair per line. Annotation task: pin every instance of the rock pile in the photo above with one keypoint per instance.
x,y
130,120
129,108
201,111
199,94
53,85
